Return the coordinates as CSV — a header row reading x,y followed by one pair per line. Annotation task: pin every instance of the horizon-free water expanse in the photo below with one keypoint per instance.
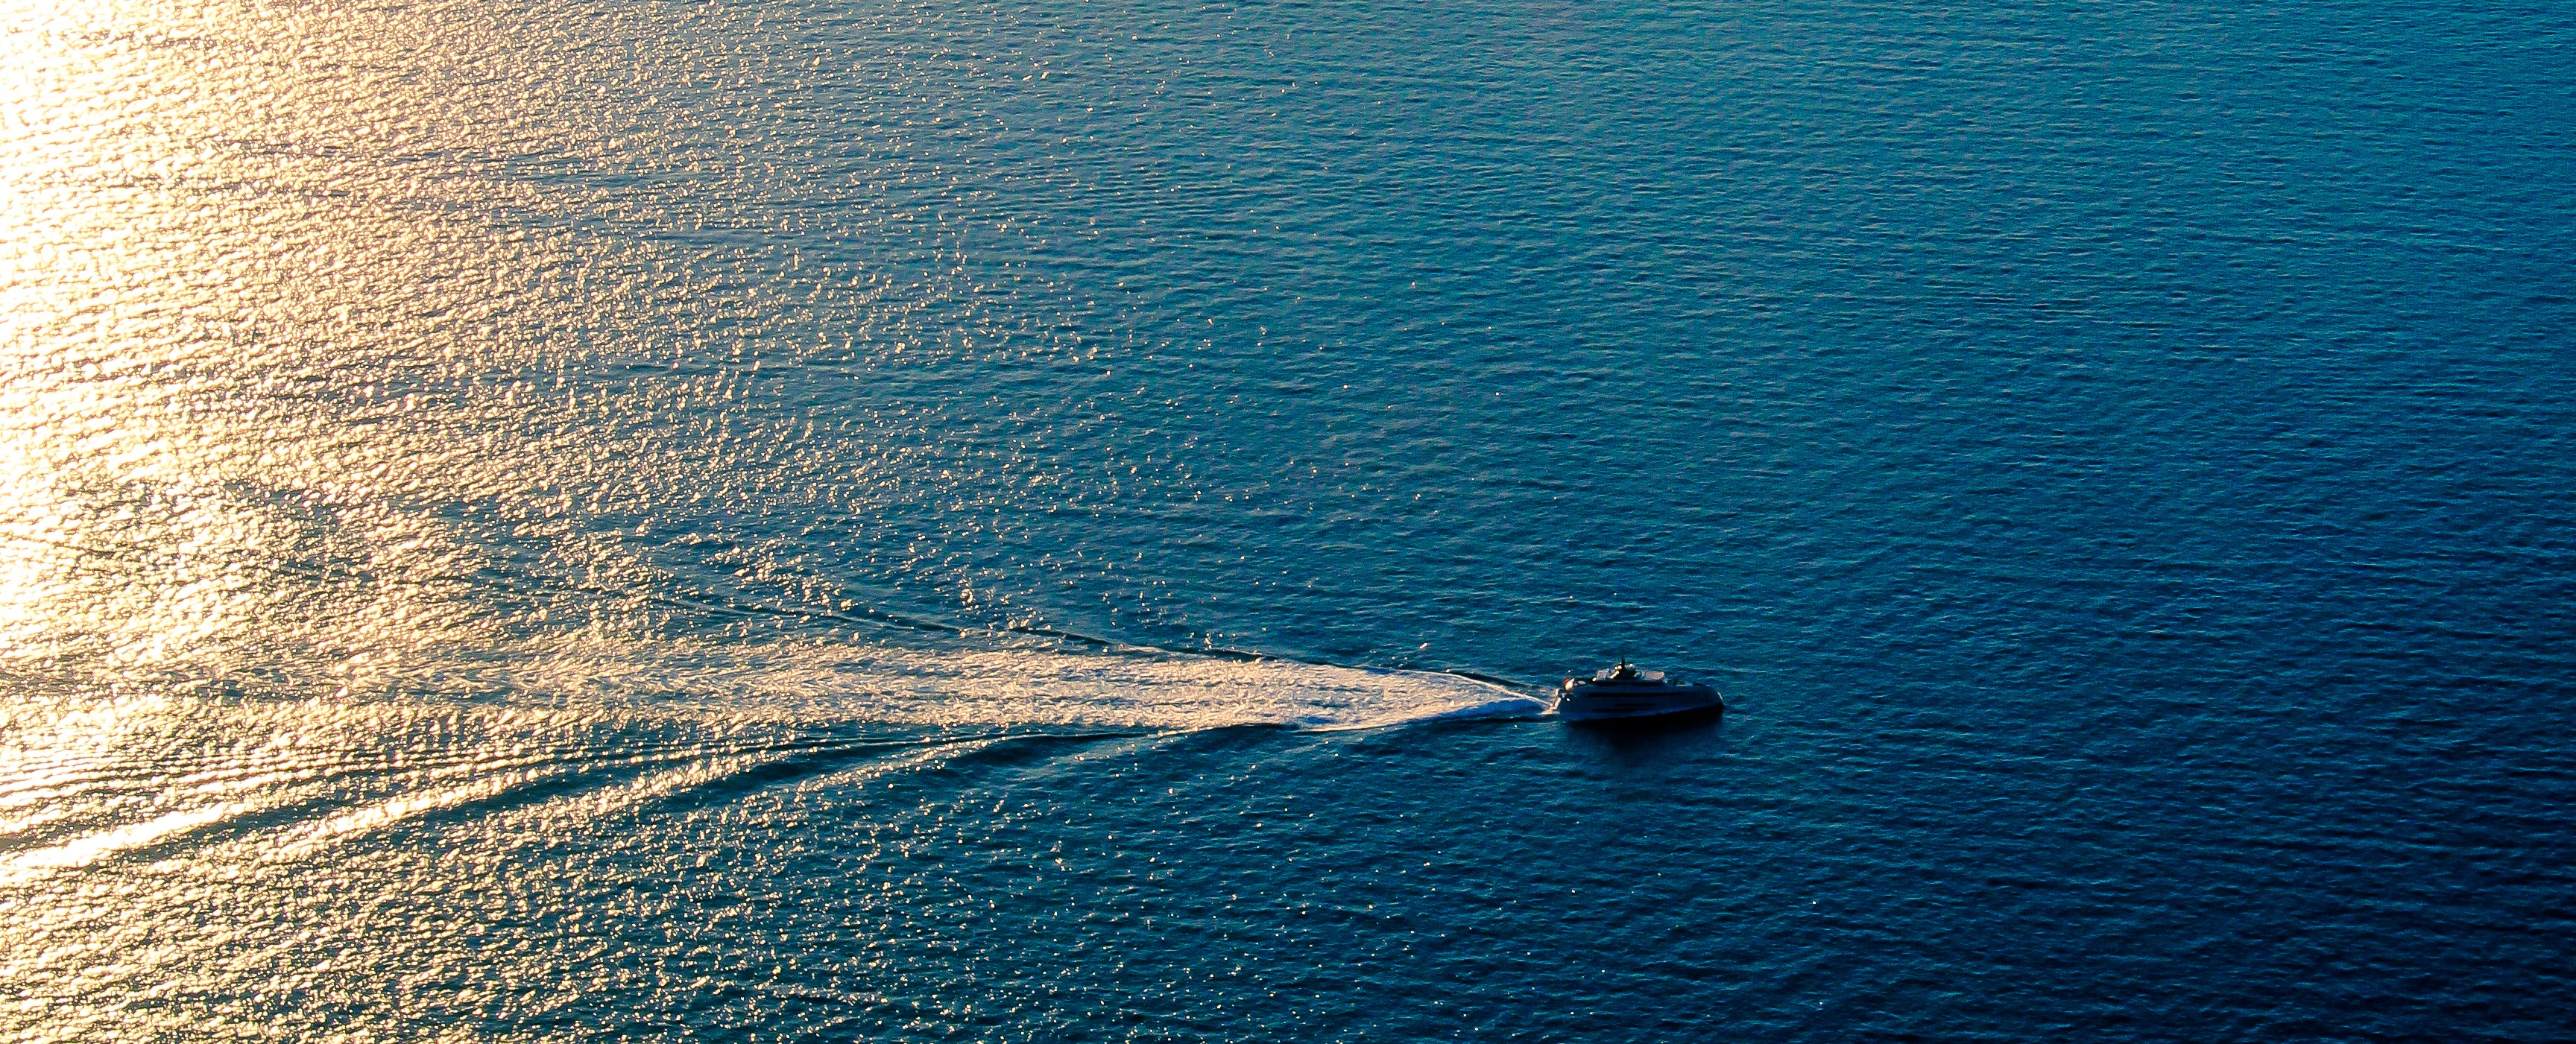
x,y
561,521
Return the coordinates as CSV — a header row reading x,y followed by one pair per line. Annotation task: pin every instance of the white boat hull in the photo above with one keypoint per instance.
x,y
1579,702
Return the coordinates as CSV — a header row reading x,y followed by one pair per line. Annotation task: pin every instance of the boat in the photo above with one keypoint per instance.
x,y
1624,693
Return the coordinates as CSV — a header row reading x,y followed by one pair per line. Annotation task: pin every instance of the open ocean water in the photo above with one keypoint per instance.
x,y
807,520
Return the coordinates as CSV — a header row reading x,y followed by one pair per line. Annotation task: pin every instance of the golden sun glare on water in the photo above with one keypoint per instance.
x,y
222,227
89,155
224,230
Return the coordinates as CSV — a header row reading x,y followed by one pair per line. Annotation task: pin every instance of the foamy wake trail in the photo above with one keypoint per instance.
x,y
571,733
1008,686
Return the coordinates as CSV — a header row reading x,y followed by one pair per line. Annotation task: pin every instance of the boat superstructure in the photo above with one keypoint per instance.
x,y
1624,692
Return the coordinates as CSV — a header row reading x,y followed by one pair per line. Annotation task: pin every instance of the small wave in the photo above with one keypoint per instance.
x,y
89,849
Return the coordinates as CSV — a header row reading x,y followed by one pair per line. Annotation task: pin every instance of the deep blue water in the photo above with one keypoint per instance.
x,y
834,521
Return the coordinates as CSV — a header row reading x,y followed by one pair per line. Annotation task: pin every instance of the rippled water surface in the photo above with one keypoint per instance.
x,y
844,520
